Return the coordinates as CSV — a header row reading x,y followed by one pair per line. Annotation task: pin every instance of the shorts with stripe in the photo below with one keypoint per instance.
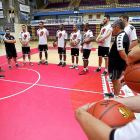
x,y
75,52
114,73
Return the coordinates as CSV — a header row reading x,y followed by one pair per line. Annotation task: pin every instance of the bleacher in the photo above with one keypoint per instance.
x,y
128,1
58,5
92,2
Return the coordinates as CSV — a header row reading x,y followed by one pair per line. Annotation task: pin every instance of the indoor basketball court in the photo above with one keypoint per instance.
x,y
38,102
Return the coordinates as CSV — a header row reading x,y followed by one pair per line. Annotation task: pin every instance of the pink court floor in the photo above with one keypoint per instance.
x,y
38,102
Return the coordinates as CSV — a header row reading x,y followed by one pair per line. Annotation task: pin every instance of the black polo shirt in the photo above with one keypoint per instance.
x,y
9,46
121,43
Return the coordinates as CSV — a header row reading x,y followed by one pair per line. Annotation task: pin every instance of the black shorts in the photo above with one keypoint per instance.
x,y
60,51
42,48
75,52
86,54
114,73
11,53
103,51
26,50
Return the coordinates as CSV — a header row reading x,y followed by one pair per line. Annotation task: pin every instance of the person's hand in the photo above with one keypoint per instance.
x,y
121,81
81,50
26,43
101,40
82,43
85,107
64,49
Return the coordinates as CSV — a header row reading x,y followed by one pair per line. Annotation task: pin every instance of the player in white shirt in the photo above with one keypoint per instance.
x,y
75,37
97,130
86,48
61,37
24,38
43,36
130,31
103,48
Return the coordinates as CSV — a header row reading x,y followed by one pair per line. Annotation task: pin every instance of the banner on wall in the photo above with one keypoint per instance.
x,y
21,1
1,14
1,5
24,8
24,16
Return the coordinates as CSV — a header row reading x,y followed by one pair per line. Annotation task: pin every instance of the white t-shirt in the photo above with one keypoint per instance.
x,y
88,35
131,32
42,33
24,36
103,32
75,37
62,35
129,132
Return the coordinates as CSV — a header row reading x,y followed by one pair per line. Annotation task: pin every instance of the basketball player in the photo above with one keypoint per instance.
x,y
97,130
10,48
130,30
43,36
118,56
61,37
24,38
75,36
103,48
86,48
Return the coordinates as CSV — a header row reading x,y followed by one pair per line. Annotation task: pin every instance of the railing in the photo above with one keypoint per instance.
x,y
114,5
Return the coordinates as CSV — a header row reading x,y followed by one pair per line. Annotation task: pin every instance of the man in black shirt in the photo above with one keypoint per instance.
x,y
10,48
118,56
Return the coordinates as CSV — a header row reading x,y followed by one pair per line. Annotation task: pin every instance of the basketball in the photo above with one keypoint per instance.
x,y
132,76
23,42
56,44
86,40
112,113
43,61
73,42
98,38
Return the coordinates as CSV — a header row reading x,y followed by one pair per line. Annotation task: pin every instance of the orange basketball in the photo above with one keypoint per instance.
x,y
73,42
132,76
23,42
43,61
56,44
112,113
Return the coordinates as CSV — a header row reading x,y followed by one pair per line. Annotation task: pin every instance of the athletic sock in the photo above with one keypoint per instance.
x,y
72,64
85,69
16,63
24,61
29,60
115,96
99,67
76,64
64,61
106,70
46,60
61,61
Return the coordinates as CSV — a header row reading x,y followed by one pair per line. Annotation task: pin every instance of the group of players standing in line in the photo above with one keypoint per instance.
x,y
125,40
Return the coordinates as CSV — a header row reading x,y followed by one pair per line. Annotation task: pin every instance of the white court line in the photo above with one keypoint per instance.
x,y
52,86
32,84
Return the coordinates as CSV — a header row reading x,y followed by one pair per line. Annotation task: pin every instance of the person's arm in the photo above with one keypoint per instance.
x,y
47,34
133,103
133,37
123,55
65,41
106,36
10,41
93,128
133,56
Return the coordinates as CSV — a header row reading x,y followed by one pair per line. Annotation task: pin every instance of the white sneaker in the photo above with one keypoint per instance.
x,y
72,67
76,67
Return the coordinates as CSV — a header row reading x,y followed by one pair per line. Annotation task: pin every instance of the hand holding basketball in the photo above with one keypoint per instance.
x,y
24,43
73,43
55,44
99,39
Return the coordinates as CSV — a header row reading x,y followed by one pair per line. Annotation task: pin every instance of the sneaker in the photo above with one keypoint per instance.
x,y
108,80
10,67
23,64
76,67
17,65
30,63
46,63
64,64
83,72
59,64
87,71
97,70
2,76
109,94
72,67
39,63
1,70
104,73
